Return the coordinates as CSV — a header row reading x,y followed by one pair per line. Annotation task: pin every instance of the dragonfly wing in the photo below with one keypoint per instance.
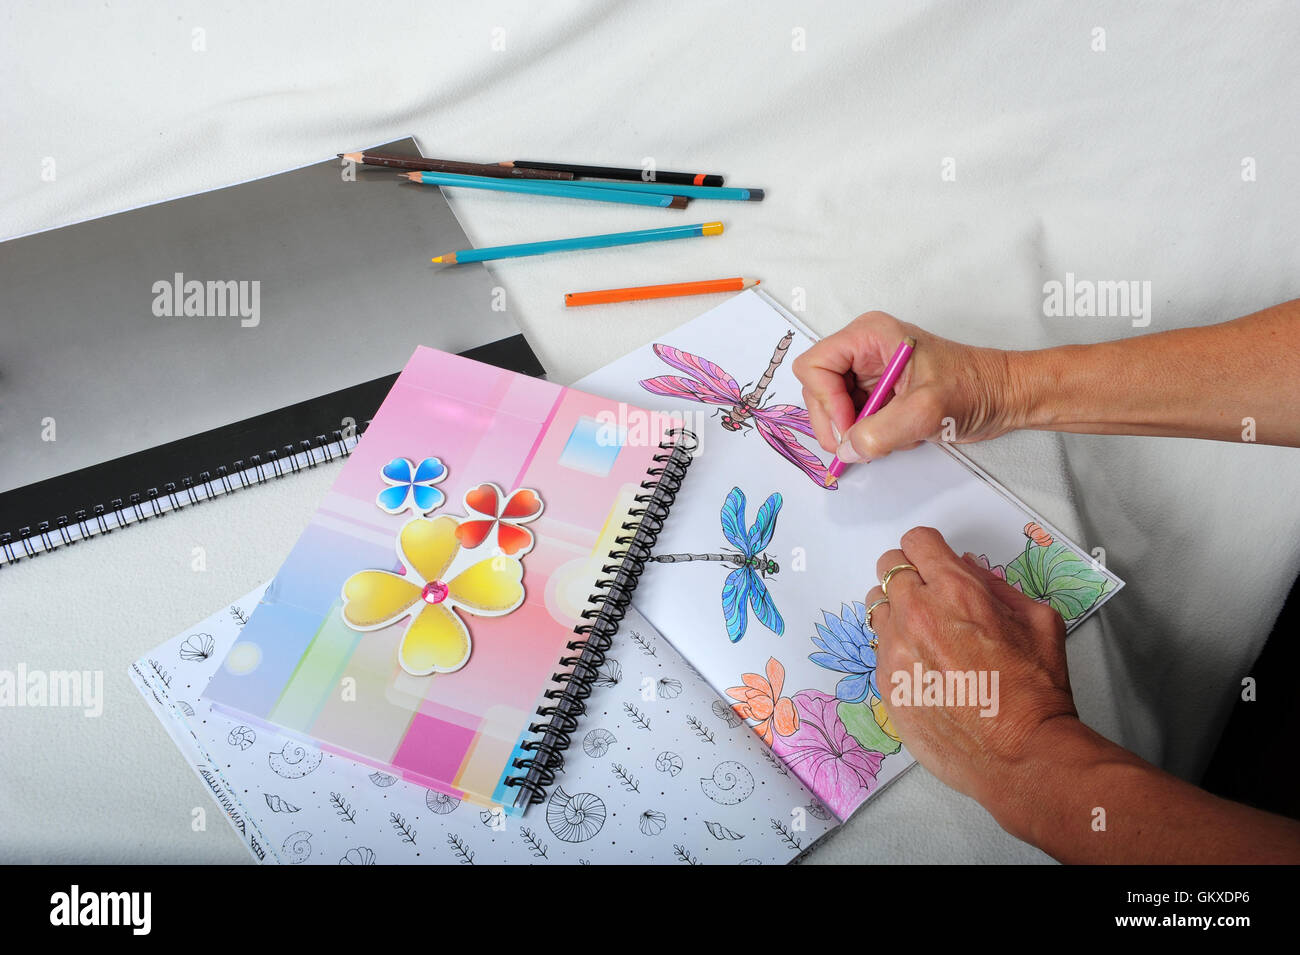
x,y
733,521
787,445
738,586
699,368
674,386
792,416
760,535
760,598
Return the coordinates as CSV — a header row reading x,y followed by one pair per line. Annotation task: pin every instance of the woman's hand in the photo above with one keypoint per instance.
x,y
954,615
974,387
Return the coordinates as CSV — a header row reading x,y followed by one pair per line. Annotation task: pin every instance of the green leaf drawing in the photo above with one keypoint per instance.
x,y
862,726
1067,581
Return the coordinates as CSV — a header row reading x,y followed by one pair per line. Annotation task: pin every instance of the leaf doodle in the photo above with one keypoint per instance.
x,y
626,778
787,836
702,731
241,618
683,855
718,831
639,718
460,849
641,640
775,761
277,804
399,823
343,808
534,842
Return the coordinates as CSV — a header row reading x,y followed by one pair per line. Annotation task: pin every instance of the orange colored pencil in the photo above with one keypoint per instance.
x,y
605,296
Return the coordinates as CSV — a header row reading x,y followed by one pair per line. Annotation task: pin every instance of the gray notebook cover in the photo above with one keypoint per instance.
x,y
153,346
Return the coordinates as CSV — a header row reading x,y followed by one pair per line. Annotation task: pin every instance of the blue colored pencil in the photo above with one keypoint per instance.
x,y
694,192
537,187
580,242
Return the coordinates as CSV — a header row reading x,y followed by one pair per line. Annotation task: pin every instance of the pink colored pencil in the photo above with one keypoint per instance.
x,y
879,395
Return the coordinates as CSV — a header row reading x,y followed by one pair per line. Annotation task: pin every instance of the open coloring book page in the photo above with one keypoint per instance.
x,y
761,571
661,771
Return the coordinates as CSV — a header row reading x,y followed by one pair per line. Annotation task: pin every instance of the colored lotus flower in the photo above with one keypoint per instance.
x,y
760,700
1036,534
826,757
490,510
412,486
845,645
436,638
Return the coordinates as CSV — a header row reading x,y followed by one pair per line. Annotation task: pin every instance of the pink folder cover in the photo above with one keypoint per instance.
x,y
424,613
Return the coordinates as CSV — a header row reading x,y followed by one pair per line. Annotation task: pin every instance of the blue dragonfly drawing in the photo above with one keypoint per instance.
x,y
750,564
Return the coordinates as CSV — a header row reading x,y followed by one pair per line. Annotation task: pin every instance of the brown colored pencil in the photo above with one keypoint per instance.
x,y
453,165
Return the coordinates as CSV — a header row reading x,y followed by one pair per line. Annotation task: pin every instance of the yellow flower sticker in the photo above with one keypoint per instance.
x,y
436,639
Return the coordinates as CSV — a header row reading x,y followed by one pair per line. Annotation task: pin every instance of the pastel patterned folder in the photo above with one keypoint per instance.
x,y
428,613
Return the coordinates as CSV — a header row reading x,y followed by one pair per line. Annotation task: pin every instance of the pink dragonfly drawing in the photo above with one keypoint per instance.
x,y
779,425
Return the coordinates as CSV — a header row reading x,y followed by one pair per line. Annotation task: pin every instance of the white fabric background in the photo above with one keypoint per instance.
x,y
1123,164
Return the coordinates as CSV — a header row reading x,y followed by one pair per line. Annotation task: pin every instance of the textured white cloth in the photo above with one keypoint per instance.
x,y
1119,164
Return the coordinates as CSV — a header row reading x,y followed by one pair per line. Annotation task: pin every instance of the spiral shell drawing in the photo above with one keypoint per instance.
x,y
360,856
668,688
198,647
725,713
297,848
731,783
382,780
669,762
440,803
653,822
242,736
575,818
294,761
598,742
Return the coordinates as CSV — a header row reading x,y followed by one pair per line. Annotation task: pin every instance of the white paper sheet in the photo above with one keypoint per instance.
x,y
656,774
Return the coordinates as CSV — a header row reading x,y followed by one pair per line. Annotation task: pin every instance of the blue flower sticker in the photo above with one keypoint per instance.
x,y
412,486
846,646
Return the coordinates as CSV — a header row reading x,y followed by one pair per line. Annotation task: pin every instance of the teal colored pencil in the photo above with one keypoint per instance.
x,y
538,187
693,192
580,242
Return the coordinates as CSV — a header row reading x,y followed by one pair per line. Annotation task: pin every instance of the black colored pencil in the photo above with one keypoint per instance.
x,y
616,172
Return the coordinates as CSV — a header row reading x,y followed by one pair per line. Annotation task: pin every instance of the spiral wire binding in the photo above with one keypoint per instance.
x,y
258,469
608,605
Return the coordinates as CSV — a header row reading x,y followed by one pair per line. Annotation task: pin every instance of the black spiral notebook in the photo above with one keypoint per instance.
x,y
179,351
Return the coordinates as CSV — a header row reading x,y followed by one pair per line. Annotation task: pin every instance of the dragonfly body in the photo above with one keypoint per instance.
x,y
750,564
779,424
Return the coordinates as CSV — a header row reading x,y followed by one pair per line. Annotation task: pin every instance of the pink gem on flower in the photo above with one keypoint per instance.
x,y
435,592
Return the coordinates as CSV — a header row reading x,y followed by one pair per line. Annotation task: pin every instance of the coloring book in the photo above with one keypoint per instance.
x,y
759,575
452,599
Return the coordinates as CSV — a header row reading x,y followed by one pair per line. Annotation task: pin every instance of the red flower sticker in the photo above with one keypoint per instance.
x,y
490,510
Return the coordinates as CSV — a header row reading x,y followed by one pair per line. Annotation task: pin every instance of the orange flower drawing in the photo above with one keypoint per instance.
x,y
761,700
1036,534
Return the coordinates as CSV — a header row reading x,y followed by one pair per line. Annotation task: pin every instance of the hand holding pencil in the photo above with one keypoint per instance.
x,y
947,390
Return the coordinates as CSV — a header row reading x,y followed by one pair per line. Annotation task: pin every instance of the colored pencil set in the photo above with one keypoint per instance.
x,y
608,184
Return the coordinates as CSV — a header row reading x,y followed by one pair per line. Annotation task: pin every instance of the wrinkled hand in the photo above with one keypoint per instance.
x,y
975,387
953,614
